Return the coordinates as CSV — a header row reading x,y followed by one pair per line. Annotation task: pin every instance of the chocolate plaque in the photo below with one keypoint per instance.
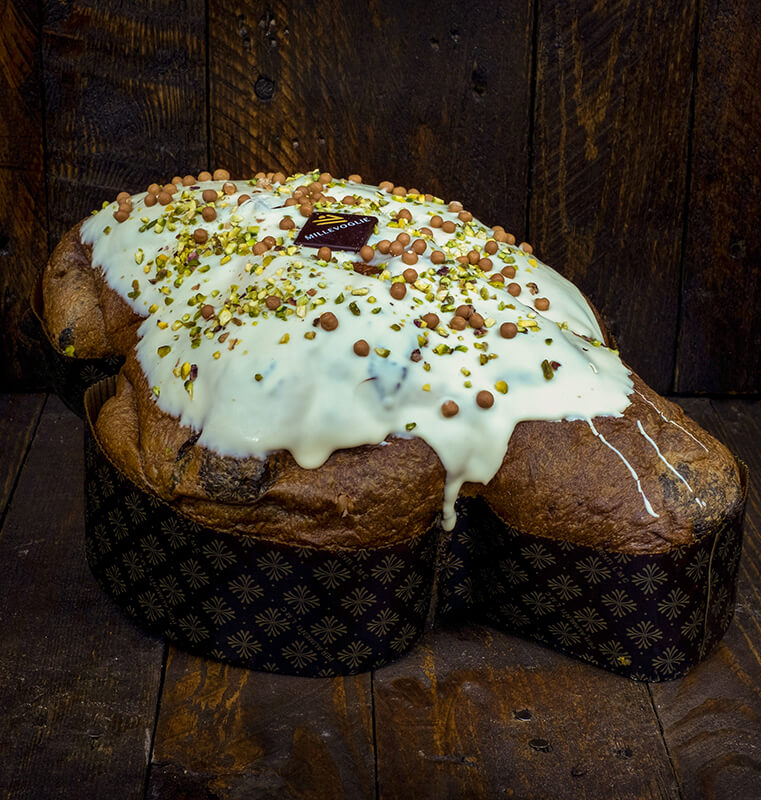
x,y
337,231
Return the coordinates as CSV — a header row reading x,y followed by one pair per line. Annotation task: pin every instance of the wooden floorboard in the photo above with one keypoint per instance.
x,y
78,681
712,718
229,733
19,414
472,712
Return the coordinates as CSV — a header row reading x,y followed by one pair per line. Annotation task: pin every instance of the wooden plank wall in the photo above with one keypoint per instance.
x,y
621,138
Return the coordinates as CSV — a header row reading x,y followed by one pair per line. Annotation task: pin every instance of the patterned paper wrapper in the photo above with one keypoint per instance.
x,y
70,376
319,612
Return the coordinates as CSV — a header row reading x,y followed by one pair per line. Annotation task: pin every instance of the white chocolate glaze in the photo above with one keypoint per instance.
x,y
251,381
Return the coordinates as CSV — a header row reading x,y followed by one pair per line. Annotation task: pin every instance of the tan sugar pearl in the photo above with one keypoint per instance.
x,y
154,188
383,246
541,304
355,179
526,247
398,290
170,188
188,180
404,238
509,238
361,348
123,196
349,200
291,201
121,215
315,187
404,214
150,200
278,177
496,278
464,311
396,248
426,232
514,289
455,206
200,235
366,253
325,177
491,247
242,199
259,248
204,176
409,258
272,302
438,257
164,198
328,321
431,320
209,195
508,271
269,241
450,408
410,275
177,179
386,186
418,246
474,257
476,321
399,191
286,224
465,216
458,323
508,330
436,221
221,175
207,311
209,214
228,187
300,192
305,210
449,227
500,236
485,264
325,253
485,399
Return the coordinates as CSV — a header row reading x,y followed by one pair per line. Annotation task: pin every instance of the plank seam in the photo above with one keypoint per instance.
x,y
44,123
159,694
533,74
22,463
665,743
687,191
375,736
207,110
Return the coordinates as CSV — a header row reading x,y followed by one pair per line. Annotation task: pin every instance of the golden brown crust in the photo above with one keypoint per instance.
x,y
558,479
84,317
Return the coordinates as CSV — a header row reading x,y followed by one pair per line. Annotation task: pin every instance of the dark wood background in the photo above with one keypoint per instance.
x,y
622,139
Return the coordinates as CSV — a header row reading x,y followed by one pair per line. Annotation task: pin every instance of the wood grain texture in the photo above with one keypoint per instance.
x,y
719,323
610,165
433,96
712,718
78,681
18,419
475,713
23,226
227,733
125,99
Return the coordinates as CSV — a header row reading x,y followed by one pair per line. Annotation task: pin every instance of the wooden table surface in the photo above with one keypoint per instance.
x,y
93,707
